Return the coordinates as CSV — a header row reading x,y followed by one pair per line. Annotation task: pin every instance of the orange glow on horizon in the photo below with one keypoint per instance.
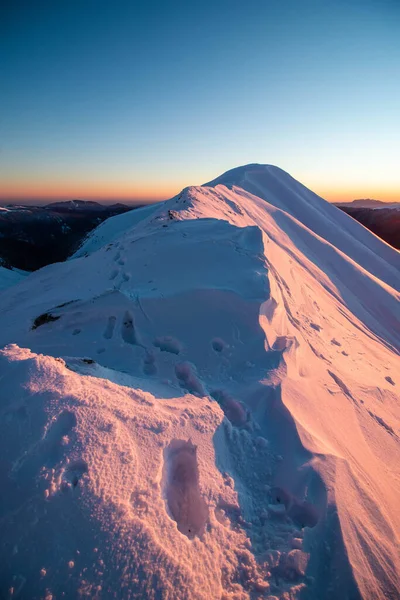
x,y
109,191
356,193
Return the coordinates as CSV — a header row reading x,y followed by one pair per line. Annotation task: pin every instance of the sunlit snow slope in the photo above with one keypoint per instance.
x,y
206,406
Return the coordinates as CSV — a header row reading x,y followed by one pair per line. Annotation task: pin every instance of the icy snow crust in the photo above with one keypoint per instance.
x,y
206,406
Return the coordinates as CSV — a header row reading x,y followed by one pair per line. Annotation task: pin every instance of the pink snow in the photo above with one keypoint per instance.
x,y
210,406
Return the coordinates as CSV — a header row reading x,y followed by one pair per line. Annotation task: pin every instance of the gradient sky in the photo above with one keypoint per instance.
x,y
125,100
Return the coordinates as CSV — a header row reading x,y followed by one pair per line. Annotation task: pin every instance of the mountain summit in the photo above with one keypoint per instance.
x,y
204,403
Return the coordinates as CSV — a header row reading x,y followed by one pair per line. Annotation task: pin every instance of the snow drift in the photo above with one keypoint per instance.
x,y
205,405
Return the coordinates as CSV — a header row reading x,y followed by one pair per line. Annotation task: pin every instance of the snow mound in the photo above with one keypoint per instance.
x,y
206,405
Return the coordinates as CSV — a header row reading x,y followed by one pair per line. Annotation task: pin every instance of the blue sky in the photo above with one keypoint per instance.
x,y
133,100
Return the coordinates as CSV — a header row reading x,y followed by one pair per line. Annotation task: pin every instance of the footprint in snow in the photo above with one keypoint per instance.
x,y
187,377
109,330
113,274
128,331
303,514
233,409
74,471
53,439
218,344
149,364
181,484
168,344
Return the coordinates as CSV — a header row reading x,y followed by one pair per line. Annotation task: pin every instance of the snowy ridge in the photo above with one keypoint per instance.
x,y
210,399
112,228
279,189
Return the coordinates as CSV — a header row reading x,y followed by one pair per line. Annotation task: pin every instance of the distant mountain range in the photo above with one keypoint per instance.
x,y
369,203
86,206
34,236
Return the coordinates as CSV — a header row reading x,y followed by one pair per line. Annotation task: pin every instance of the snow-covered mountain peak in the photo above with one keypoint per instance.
x,y
208,395
238,175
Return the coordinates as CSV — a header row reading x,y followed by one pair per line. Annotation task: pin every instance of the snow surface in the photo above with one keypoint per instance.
x,y
206,405
112,228
10,277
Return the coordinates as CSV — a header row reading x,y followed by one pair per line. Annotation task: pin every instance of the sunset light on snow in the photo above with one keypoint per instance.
x,y
200,300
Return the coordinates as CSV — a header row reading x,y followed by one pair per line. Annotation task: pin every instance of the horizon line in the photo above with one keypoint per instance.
x,y
142,201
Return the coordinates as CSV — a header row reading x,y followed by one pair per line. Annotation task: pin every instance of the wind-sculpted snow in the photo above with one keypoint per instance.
x,y
206,405
279,189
